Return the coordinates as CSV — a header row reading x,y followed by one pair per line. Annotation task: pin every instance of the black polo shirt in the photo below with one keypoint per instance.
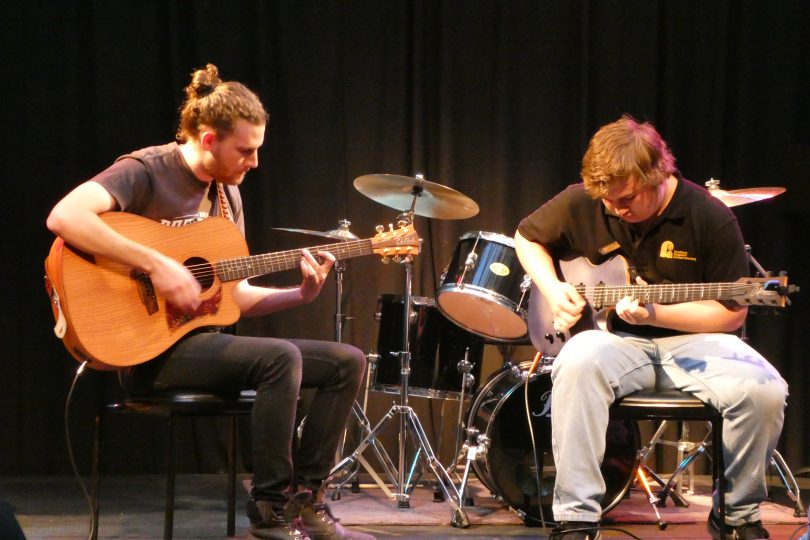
x,y
696,239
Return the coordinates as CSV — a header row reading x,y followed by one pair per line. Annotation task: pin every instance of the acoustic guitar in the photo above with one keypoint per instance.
x,y
611,282
111,316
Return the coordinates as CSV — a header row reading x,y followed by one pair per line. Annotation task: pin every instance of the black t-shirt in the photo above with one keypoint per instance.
x,y
156,183
695,240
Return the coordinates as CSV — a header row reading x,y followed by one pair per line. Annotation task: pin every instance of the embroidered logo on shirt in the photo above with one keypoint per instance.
x,y
668,251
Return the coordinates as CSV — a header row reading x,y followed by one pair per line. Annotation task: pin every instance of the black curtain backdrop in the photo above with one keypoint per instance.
x,y
496,99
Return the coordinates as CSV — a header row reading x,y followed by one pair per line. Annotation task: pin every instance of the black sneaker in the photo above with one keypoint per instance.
x,y
747,531
576,530
269,523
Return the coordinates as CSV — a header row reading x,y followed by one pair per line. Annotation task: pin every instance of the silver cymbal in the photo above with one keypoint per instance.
x,y
425,198
736,197
335,234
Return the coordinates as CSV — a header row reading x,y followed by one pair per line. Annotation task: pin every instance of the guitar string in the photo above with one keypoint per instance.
x,y
271,259
283,260
664,290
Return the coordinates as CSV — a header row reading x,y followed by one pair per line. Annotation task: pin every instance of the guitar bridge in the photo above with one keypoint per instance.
x,y
146,291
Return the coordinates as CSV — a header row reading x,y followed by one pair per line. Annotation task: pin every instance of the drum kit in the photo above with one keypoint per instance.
x,y
481,298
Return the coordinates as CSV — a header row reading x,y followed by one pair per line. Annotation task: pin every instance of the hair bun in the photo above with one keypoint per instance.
x,y
203,81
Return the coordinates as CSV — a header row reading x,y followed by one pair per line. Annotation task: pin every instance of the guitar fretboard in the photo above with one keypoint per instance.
x,y
602,296
259,265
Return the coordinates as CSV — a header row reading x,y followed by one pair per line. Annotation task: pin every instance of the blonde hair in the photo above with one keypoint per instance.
x,y
217,104
622,149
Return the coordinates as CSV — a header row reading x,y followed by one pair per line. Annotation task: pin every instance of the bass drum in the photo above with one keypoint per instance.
x,y
508,467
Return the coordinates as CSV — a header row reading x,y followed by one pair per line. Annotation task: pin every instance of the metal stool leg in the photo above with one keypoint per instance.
x,y
168,520
778,463
232,478
95,487
719,467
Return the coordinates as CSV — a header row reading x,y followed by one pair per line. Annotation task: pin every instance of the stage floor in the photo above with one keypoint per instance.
x,y
132,508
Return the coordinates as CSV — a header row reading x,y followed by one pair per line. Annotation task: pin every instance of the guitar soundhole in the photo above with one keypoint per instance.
x,y
202,270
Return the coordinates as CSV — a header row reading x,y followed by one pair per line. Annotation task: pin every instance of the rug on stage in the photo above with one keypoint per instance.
x,y
372,506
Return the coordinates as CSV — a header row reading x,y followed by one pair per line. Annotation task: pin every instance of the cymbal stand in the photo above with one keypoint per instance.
x,y
358,410
409,421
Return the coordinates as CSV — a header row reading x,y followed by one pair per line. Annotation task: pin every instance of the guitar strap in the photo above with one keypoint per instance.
x,y
224,205
207,202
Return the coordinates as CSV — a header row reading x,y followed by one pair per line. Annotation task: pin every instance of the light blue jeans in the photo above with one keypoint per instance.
x,y
595,368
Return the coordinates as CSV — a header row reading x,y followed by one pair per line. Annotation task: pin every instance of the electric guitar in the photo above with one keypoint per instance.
x,y
111,315
612,283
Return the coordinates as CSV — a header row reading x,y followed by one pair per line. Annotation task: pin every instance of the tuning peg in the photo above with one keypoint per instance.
x,y
385,260
379,228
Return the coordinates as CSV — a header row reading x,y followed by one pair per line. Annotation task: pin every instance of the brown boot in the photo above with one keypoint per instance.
x,y
269,523
317,519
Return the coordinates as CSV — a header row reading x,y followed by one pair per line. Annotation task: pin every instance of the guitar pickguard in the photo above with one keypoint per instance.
x,y
176,318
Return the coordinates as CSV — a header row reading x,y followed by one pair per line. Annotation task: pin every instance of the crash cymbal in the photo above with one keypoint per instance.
x,y
336,234
736,197
425,198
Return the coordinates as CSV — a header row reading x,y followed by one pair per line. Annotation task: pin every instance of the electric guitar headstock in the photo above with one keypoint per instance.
x,y
772,291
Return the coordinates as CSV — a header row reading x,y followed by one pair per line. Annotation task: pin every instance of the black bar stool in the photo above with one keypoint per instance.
x,y
174,405
678,405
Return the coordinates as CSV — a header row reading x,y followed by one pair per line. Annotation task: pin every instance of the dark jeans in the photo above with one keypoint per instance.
x,y
277,369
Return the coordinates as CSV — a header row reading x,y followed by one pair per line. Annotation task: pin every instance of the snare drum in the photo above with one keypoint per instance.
x,y
484,288
436,346
510,468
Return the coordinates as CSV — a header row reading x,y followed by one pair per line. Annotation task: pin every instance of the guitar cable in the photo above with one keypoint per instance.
x,y
73,465
538,472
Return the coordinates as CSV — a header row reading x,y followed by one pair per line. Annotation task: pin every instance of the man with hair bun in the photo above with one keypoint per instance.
x,y
220,131
633,202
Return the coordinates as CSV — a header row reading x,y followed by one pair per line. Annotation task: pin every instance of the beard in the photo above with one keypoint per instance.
x,y
213,166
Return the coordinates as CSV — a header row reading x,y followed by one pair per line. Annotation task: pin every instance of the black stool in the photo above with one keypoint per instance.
x,y
678,405
173,405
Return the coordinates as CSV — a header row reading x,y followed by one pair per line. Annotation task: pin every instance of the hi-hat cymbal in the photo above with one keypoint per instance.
x,y
336,234
425,198
736,197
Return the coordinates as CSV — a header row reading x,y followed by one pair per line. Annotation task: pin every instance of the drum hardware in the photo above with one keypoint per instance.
x,y
412,196
652,499
464,366
343,233
408,420
474,448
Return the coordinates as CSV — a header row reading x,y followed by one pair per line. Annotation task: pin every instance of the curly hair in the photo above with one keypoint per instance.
x,y
217,104
622,149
